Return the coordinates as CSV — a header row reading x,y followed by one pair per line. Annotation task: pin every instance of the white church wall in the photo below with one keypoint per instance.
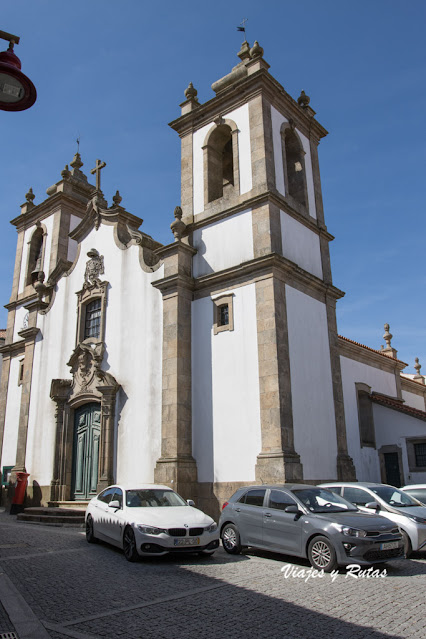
x,y
20,314
73,244
225,391
311,385
10,435
225,243
413,400
241,118
277,121
365,458
394,428
301,245
133,336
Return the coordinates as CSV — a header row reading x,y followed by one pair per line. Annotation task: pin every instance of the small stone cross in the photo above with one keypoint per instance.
x,y
99,165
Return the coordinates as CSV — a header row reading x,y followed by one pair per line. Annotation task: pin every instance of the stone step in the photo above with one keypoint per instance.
x,y
57,516
73,505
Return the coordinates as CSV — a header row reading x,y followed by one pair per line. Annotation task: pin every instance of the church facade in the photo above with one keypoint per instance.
x,y
211,362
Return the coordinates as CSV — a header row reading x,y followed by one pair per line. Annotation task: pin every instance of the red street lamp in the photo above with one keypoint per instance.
x,y
17,92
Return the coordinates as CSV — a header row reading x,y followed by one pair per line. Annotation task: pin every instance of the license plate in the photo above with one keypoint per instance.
x,y
389,545
192,541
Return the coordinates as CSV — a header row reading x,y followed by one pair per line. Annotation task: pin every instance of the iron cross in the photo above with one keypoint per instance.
x,y
99,165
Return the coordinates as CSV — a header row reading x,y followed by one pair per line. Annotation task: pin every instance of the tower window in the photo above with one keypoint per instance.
x,y
223,313
294,167
220,161
92,326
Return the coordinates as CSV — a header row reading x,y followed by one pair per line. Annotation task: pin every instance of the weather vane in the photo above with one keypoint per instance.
x,y
243,27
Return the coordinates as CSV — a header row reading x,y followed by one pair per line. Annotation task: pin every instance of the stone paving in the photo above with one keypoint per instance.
x,y
64,587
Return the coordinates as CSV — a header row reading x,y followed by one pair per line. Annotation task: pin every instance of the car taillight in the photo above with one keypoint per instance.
x,y
225,504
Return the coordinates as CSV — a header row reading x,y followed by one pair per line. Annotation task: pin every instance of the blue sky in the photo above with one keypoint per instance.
x,y
114,73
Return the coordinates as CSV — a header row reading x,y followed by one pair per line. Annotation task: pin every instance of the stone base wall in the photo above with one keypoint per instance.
x,y
35,495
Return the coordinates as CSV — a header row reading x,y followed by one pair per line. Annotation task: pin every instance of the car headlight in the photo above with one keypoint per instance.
x,y
150,530
353,532
418,520
211,528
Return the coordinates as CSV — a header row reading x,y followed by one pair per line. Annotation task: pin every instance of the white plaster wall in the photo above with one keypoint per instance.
x,y
225,391
48,223
72,244
277,121
241,118
413,400
311,385
393,427
365,458
134,341
20,314
301,245
11,424
225,243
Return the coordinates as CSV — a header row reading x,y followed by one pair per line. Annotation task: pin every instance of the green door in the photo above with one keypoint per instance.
x,y
87,428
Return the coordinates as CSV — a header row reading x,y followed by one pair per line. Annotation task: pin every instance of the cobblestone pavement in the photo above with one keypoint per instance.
x,y
58,586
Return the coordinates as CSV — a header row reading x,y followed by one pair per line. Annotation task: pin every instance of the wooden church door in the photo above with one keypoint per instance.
x,y
87,422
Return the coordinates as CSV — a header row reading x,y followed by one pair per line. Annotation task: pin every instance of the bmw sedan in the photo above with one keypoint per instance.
x,y
307,521
390,502
149,520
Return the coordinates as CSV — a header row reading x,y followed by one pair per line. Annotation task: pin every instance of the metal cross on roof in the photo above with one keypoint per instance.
x,y
99,165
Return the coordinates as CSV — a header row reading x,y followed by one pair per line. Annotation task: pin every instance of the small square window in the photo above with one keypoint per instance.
x,y
223,313
92,326
416,452
420,454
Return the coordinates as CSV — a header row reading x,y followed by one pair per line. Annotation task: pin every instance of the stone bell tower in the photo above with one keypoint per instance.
x,y
44,251
253,215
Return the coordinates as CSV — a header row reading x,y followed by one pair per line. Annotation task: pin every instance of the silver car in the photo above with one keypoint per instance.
x,y
307,521
418,491
390,502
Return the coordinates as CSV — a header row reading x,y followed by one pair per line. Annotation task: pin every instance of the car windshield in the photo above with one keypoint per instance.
x,y
321,500
394,497
156,498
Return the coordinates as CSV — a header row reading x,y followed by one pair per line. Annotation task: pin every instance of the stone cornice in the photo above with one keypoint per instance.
x,y
15,348
170,285
260,82
413,386
272,264
173,248
46,208
95,215
29,334
253,201
369,356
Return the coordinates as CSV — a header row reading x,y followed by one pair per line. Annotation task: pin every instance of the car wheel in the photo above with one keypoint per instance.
x,y
90,536
231,539
321,554
129,545
408,549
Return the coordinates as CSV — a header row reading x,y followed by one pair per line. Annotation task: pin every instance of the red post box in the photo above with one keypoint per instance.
x,y
20,487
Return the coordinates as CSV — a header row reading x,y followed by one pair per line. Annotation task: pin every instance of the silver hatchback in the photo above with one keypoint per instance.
x,y
307,521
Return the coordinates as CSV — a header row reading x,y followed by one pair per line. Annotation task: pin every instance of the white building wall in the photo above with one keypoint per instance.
x,y
301,245
241,118
394,428
311,385
413,400
365,458
225,391
10,435
18,325
72,244
133,341
222,244
277,121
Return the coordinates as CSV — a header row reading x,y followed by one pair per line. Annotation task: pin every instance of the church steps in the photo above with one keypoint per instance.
x,y
56,516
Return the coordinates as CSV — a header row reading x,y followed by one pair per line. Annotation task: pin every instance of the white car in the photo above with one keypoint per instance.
x,y
394,504
418,491
149,520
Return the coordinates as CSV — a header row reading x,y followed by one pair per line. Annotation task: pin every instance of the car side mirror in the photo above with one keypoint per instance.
x,y
114,504
373,505
190,502
291,509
